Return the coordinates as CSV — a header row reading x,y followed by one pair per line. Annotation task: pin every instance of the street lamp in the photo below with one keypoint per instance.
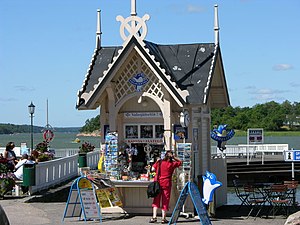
x,y
31,108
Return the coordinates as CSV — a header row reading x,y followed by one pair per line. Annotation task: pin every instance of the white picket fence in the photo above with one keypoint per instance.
x,y
65,152
51,173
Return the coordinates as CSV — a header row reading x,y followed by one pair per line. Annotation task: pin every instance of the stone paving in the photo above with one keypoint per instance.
x,y
38,213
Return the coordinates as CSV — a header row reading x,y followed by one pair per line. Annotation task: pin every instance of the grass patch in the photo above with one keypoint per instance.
x,y
241,133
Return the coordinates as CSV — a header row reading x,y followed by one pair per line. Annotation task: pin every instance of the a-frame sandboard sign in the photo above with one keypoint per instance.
x,y
190,189
82,201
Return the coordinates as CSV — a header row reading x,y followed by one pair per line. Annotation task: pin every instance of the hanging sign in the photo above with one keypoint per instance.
x,y
180,132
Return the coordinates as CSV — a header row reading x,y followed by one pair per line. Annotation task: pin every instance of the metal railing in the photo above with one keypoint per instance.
x,y
250,151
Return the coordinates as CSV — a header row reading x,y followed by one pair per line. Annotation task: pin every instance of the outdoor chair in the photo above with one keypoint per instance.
x,y
278,198
255,199
292,186
243,196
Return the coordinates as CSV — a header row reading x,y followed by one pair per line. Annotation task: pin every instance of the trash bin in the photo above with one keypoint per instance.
x,y
28,175
82,162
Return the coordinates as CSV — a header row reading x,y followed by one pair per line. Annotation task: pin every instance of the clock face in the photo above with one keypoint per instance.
x,y
184,119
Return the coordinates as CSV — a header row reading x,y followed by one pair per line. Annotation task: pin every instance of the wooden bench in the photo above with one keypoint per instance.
x,y
18,184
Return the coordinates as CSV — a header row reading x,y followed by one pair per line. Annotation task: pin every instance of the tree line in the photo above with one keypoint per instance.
x,y
7,128
270,116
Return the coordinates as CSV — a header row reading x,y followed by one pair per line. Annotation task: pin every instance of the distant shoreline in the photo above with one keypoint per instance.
x,y
93,134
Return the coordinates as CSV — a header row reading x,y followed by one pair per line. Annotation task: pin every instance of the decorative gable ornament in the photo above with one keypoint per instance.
x,y
133,26
139,80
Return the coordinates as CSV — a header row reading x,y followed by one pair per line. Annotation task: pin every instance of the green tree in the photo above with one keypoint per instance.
x,y
91,125
270,116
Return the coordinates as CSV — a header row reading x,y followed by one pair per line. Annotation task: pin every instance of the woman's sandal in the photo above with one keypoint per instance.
x,y
164,221
153,220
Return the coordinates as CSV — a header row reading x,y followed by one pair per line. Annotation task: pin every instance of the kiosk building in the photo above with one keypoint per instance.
x,y
153,97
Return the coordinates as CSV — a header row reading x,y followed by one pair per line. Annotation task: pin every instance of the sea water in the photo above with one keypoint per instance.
x,y
61,140
66,140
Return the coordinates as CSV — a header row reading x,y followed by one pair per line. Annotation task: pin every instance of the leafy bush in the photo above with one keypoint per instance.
x,y
86,147
7,179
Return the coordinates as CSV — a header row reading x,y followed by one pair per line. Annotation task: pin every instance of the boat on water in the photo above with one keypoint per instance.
x,y
77,140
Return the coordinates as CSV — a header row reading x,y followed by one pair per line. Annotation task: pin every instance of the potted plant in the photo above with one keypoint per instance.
x,y
7,180
42,147
41,152
83,150
86,147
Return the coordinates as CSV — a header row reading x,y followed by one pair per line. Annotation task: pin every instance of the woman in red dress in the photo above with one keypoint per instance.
x,y
167,167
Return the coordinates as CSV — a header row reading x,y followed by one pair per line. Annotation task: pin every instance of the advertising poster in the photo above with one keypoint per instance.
x,y
108,197
180,132
102,198
89,204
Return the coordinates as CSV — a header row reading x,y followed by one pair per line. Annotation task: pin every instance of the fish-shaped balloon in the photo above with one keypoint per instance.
x,y
210,184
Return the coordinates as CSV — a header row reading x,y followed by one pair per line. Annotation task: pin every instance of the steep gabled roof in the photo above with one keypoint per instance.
x,y
189,66
182,67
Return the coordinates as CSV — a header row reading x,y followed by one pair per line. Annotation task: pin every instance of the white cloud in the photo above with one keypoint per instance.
x,y
295,84
194,9
265,94
250,87
23,88
7,99
282,67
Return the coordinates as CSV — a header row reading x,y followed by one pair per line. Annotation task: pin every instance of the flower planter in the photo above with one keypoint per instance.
x,y
82,160
6,185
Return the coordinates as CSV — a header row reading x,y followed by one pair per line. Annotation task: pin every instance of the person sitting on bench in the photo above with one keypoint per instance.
x,y
19,167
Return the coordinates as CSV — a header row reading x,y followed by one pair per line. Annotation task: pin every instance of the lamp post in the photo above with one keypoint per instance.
x,y
31,108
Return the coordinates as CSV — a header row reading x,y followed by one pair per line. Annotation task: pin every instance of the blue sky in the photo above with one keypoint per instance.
x,y
46,47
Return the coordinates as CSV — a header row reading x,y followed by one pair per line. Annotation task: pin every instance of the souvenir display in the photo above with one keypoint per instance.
x,y
131,152
111,156
184,172
129,162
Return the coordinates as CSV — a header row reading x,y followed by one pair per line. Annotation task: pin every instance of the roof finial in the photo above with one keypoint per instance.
x,y
216,25
98,32
133,25
133,8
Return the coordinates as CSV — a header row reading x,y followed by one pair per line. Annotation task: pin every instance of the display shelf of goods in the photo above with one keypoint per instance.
x,y
184,172
111,156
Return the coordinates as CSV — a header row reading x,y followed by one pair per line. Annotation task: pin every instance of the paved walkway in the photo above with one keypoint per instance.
x,y
21,213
